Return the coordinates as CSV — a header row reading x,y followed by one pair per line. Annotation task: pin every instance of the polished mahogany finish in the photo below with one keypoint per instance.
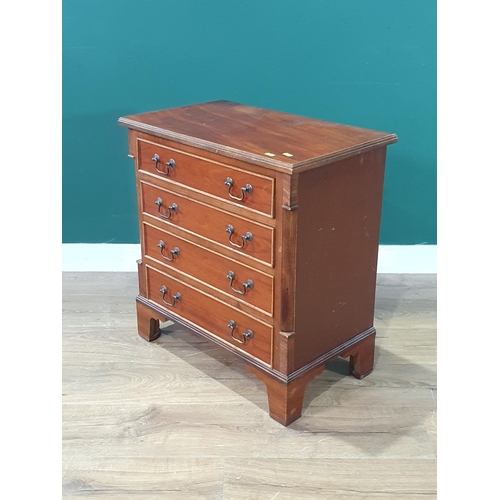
x,y
209,314
209,177
208,222
260,232
285,399
248,133
209,267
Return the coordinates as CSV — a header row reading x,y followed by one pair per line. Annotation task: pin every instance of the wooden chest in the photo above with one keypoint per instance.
x,y
260,232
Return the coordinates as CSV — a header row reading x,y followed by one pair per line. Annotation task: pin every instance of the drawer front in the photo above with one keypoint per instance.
x,y
247,284
252,239
210,315
207,176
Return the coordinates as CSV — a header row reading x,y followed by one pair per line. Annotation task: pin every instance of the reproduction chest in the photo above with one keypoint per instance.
x,y
259,231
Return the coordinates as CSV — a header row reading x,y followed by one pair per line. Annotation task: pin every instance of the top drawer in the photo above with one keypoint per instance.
x,y
231,184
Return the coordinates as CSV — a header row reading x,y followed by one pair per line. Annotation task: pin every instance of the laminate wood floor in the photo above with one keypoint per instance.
x,y
179,418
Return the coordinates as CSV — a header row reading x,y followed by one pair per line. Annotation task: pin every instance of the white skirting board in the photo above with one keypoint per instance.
x,y
107,257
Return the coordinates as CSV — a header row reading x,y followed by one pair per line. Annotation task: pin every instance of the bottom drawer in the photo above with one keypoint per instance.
x,y
214,317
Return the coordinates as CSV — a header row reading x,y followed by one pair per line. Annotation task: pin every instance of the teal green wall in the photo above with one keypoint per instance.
x,y
369,63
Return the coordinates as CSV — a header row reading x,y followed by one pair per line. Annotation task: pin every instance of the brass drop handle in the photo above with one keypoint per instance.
x,y
247,335
171,208
247,189
247,237
173,252
168,164
176,297
247,285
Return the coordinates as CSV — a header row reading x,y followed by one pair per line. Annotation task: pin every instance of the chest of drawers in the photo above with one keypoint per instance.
x,y
259,231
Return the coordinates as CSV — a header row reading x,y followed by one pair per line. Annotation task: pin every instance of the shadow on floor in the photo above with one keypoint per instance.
x,y
328,393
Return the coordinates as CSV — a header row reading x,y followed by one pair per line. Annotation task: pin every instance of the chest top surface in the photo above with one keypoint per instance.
x,y
273,139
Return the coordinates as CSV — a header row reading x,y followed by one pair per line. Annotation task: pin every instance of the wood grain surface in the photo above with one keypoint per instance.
x,y
208,222
209,314
207,176
180,418
277,140
209,267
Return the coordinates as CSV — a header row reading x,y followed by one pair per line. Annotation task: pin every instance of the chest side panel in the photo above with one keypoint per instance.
x,y
337,249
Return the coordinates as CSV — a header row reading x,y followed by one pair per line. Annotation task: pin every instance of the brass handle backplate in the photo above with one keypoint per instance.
x,y
247,335
177,296
247,237
173,252
248,285
171,208
247,189
168,165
